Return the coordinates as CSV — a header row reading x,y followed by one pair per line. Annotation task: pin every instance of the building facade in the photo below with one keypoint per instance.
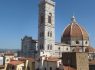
x,y
74,42
29,47
76,60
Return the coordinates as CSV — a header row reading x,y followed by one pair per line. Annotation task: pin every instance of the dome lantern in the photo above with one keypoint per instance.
x,y
73,19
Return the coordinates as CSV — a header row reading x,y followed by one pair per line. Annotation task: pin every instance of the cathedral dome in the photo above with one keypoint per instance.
x,y
74,32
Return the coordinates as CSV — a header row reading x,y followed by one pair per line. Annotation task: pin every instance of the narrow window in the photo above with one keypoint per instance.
x,y
50,68
45,68
51,47
42,34
86,42
42,47
48,34
42,19
51,34
77,42
58,48
67,49
49,18
48,46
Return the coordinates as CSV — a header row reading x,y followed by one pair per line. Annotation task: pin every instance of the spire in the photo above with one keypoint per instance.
x,y
73,19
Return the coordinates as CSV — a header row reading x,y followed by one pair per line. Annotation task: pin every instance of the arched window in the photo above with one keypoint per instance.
x,y
86,42
77,42
67,49
42,19
28,68
48,34
51,34
51,47
49,18
48,47
58,48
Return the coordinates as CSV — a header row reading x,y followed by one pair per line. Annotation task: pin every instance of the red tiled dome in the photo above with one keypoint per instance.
x,y
74,31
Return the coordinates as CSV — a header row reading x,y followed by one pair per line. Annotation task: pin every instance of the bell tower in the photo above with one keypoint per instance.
x,y
46,27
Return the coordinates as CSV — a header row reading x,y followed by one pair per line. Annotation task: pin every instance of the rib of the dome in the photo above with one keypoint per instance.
x,y
85,34
76,31
67,31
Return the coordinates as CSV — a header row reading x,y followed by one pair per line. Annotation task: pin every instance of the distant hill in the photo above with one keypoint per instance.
x,y
12,50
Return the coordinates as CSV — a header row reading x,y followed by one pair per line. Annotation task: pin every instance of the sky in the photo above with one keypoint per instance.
x,y
20,17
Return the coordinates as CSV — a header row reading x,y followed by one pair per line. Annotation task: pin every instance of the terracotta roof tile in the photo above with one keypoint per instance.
x,y
24,59
15,62
53,59
92,62
9,54
2,66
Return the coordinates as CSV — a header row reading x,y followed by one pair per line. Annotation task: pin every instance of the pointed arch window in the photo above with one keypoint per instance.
x,y
49,34
49,18
49,47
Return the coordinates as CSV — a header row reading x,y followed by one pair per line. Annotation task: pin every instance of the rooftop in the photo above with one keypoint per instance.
x,y
16,62
92,62
69,68
52,59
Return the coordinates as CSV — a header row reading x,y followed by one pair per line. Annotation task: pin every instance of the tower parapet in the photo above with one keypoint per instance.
x,y
48,1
